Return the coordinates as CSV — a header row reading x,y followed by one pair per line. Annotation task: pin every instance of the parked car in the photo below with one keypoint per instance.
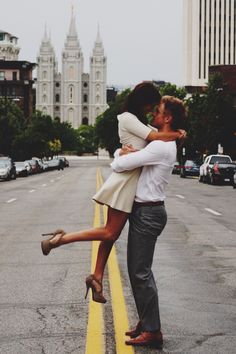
x,y
234,180
40,163
22,169
222,172
205,168
7,169
35,168
190,168
55,164
176,168
65,161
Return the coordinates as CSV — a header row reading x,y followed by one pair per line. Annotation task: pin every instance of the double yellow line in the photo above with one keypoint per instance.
x,y
95,341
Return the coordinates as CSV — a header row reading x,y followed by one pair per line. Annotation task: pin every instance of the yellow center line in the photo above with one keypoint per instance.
x,y
121,322
95,342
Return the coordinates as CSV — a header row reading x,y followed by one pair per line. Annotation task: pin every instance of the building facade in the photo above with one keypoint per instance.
x,y
209,37
72,96
16,82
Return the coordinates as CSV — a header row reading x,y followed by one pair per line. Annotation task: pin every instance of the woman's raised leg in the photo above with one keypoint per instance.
x,y
116,220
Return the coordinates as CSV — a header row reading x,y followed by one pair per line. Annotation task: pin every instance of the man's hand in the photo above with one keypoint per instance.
x,y
127,149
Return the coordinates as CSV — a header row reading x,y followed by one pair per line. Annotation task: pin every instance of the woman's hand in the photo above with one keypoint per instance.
x,y
127,149
182,134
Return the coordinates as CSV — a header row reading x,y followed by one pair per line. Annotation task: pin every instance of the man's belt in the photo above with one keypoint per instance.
x,y
159,202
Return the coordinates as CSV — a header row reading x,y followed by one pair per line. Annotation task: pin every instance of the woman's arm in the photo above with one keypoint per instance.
x,y
166,136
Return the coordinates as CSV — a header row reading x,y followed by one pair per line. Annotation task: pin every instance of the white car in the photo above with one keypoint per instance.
x,y
205,168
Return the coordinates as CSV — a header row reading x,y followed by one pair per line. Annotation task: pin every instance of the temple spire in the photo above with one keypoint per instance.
x,y
72,29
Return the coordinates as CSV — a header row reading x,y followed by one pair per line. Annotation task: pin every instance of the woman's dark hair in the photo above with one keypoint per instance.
x,y
142,95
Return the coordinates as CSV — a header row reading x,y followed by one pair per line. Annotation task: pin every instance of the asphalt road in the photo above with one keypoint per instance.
x,y
42,305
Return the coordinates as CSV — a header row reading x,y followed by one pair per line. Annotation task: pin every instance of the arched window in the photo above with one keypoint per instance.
x,y
44,75
85,98
85,108
57,97
98,75
85,121
71,94
44,98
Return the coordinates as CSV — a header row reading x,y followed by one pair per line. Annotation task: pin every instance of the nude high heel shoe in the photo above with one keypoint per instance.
x,y
52,242
96,287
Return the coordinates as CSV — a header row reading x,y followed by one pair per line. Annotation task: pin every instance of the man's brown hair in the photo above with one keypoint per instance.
x,y
175,107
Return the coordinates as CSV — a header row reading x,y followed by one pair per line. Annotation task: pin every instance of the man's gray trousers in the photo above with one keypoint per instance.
x,y
146,224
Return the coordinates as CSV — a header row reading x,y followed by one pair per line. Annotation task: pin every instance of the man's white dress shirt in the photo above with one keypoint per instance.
x,y
157,159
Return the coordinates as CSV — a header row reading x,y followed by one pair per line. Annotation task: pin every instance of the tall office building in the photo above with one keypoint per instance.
x,y
209,37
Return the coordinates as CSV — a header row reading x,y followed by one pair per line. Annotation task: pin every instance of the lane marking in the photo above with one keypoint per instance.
x,y
95,329
213,211
180,196
11,200
32,191
120,317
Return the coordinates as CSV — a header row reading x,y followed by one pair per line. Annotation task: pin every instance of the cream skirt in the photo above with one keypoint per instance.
x,y
119,190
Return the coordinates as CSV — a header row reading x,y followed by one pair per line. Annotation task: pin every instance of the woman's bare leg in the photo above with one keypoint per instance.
x,y
104,251
116,220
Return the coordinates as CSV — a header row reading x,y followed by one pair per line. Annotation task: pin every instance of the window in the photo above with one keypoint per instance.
x,y
85,84
57,97
71,94
44,88
44,75
14,75
85,121
85,98
1,36
85,108
2,75
57,84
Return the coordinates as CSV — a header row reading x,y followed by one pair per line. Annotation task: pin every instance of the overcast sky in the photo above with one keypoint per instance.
x,y
142,38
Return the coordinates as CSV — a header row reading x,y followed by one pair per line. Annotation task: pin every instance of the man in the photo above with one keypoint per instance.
x,y
148,218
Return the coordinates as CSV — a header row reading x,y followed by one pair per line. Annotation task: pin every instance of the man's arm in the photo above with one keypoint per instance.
x,y
152,154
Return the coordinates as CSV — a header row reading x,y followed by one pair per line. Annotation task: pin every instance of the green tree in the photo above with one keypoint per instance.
x,y
172,90
66,134
12,124
106,126
211,119
34,140
86,139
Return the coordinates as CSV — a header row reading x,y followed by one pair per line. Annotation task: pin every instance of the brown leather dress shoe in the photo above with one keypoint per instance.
x,y
147,339
135,332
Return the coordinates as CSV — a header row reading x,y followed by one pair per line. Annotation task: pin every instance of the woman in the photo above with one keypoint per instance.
x,y
118,191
